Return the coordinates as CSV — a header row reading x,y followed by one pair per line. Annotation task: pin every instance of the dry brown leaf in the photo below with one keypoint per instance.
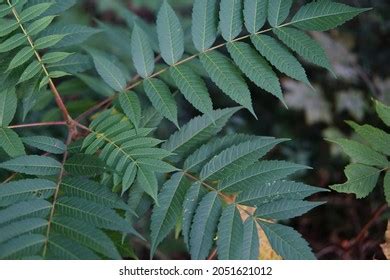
x,y
386,246
266,251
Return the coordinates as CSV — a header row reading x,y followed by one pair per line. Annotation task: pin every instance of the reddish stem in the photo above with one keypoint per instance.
x,y
378,212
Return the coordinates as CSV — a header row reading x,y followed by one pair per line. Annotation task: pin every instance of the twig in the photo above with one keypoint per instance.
x,y
37,124
378,212
212,255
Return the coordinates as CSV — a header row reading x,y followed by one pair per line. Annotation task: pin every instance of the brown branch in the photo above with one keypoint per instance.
x,y
363,232
37,124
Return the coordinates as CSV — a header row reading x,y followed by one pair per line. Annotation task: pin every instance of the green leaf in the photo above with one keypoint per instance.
x,y
162,99
170,34
362,180
375,137
7,26
361,153
93,191
257,174
148,182
5,10
48,41
304,45
129,177
26,209
39,25
278,11
44,82
85,165
386,186
92,213
27,189
54,57
11,142
266,193
323,15
191,201
204,24
255,14
230,234
45,143
131,106
28,244
75,33
33,165
31,71
109,72
21,57
286,242
197,131
86,235
383,112
166,215
280,57
227,77
236,158
285,209
204,226
62,248
12,230
8,104
58,74
251,242
13,42
256,68
192,87
34,12
156,165
206,152
230,15
142,53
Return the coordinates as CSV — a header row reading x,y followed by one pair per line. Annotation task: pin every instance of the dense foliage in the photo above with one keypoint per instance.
x,y
83,196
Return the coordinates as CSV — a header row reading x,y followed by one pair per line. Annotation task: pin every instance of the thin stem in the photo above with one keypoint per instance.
x,y
37,124
53,88
56,193
10,178
377,213
212,255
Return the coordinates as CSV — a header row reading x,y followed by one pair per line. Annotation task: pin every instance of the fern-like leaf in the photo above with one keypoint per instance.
x,y
165,216
230,234
323,15
256,68
204,24
255,14
230,15
303,45
227,77
288,243
280,57
170,34
204,225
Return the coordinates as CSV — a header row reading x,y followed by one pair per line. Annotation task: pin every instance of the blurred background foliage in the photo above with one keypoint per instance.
x,y
360,54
